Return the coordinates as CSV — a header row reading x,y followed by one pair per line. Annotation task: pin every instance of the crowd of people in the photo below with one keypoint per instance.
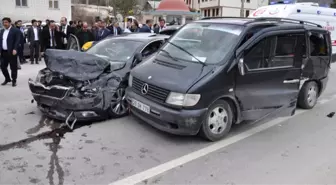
x,y
53,36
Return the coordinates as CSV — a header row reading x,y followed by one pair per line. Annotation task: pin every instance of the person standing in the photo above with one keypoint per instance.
x,y
9,44
162,25
72,27
39,25
47,24
22,60
34,35
65,30
115,29
84,35
128,26
147,27
51,38
103,31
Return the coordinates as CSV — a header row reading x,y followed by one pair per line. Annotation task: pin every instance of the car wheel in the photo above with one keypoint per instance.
x,y
308,95
119,106
218,121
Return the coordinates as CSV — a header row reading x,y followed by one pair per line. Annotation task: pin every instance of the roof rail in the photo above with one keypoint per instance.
x,y
279,19
207,18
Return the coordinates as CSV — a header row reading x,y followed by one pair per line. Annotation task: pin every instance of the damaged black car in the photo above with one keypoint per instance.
x,y
85,86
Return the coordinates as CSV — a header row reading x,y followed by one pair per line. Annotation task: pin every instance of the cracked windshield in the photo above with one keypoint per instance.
x,y
135,92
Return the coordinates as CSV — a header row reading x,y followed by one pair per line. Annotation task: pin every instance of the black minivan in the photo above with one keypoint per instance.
x,y
217,72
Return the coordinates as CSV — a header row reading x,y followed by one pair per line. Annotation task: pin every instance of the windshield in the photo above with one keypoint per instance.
x,y
205,42
115,49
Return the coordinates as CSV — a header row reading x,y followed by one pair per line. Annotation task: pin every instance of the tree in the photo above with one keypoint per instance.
x,y
242,8
123,7
333,4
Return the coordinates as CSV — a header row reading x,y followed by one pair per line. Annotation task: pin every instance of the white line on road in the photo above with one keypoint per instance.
x,y
157,170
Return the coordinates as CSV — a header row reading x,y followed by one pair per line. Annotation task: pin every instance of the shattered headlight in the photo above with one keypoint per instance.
x,y
39,76
89,90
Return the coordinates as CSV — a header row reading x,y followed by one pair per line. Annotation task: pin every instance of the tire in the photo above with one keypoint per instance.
x,y
118,106
216,130
308,95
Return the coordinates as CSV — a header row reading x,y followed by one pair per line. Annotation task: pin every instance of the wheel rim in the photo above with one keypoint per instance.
x,y
218,120
312,96
119,104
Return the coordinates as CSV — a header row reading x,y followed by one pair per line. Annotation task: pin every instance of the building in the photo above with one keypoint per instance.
x,y
26,10
213,8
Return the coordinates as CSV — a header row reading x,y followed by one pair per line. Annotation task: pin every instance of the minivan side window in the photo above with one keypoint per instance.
x,y
257,56
318,45
275,51
286,48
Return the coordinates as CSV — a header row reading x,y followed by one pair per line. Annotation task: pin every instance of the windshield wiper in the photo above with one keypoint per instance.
x,y
169,54
179,47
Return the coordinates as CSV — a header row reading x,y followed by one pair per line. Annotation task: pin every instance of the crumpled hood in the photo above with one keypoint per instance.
x,y
75,65
168,74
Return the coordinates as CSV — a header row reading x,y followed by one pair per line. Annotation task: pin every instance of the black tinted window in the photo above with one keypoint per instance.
x,y
318,45
256,56
276,51
285,45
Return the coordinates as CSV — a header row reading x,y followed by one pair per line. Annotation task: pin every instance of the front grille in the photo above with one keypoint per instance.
x,y
154,92
51,92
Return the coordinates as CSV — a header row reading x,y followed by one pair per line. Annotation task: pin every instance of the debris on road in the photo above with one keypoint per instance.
x,y
330,115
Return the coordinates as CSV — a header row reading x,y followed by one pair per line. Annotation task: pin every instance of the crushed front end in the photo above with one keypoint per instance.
x,y
69,100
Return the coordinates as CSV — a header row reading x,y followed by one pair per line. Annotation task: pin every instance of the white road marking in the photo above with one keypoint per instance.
x,y
157,170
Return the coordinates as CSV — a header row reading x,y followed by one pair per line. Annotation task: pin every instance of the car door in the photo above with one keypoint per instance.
x,y
273,66
73,43
318,62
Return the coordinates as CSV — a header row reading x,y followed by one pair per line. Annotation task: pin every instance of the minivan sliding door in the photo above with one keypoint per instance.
x,y
272,78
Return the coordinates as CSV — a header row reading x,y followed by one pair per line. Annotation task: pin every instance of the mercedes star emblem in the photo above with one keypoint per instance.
x,y
150,77
144,89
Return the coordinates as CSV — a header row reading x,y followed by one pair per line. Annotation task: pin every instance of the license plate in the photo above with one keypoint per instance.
x,y
140,106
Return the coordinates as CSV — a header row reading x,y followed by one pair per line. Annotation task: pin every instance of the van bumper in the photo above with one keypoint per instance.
x,y
179,122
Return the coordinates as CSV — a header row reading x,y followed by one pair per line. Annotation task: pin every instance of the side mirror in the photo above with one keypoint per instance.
x,y
137,59
241,66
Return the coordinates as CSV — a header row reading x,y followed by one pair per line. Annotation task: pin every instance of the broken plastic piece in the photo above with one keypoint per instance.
x,y
330,115
72,124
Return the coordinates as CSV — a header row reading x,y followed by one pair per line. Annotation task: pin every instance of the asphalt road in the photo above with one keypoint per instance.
x,y
34,150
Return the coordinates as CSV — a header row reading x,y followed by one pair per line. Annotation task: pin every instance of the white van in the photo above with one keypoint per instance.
x,y
312,12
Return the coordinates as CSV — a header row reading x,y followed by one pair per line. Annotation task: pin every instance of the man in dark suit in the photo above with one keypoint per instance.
x,y
51,37
115,29
103,32
66,30
9,44
84,35
34,36
147,27
47,24
22,60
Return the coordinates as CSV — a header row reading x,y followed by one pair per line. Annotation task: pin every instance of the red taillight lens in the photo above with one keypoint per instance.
x,y
333,43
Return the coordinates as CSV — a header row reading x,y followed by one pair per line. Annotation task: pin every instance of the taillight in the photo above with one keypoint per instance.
x,y
333,43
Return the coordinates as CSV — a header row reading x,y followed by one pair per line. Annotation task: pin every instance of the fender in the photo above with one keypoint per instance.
x,y
237,109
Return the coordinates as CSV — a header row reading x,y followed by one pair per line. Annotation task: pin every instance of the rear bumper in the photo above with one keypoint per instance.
x,y
179,122
62,104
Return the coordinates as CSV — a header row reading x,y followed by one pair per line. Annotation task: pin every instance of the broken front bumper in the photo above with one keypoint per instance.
x,y
58,102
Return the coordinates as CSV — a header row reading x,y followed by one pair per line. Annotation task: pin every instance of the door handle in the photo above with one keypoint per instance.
x,y
293,81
